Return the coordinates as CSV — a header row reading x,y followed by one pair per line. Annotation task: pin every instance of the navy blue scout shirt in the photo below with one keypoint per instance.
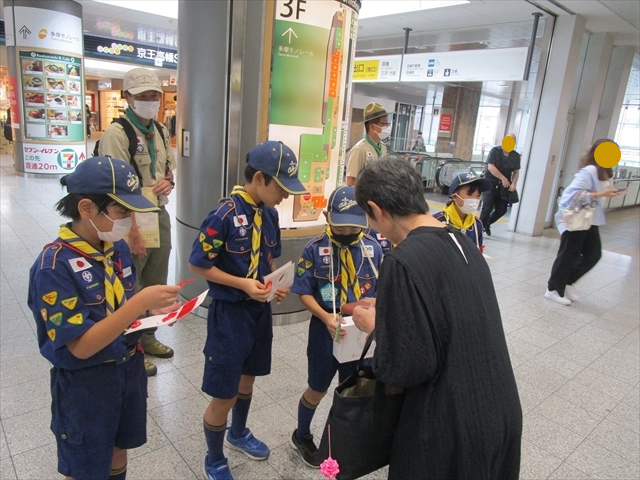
x,y
384,242
225,242
474,234
313,278
66,296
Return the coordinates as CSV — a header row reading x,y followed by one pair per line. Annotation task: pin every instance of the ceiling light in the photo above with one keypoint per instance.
x,y
381,9
164,8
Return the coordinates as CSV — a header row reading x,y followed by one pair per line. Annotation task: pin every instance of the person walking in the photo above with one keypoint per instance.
x,y
503,170
580,250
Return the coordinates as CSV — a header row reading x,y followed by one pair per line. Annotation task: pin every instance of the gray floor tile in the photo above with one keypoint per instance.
x,y
595,380
7,472
537,374
536,463
28,431
598,462
256,471
633,397
165,462
156,439
619,364
592,401
4,449
620,440
567,472
24,369
287,463
168,387
626,416
571,416
181,419
29,396
39,463
550,436
18,347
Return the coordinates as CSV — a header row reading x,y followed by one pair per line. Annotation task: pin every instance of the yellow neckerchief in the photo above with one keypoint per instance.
x,y
453,218
113,289
348,277
257,230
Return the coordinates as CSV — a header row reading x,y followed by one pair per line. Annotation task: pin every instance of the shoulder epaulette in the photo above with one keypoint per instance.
x,y
49,255
226,206
368,236
315,239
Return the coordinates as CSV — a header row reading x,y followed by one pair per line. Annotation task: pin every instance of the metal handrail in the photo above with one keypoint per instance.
x,y
463,166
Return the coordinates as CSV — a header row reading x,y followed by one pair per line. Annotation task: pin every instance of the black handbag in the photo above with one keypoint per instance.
x,y
509,196
363,421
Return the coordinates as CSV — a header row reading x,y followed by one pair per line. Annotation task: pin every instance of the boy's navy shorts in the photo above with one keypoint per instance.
x,y
95,409
322,365
239,337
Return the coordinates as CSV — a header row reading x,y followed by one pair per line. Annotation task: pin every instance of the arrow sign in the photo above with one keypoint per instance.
x,y
81,157
24,31
290,31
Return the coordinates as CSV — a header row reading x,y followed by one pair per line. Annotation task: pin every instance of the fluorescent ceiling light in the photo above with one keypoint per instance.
x,y
377,8
164,8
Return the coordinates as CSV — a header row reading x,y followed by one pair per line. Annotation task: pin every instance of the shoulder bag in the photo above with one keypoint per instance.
x,y
363,421
578,215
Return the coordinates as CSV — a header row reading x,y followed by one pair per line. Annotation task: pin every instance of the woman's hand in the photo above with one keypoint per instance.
x,y
365,318
609,193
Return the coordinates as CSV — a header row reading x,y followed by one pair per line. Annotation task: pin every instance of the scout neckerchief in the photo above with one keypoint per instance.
x,y
149,133
452,217
348,277
257,230
376,147
113,289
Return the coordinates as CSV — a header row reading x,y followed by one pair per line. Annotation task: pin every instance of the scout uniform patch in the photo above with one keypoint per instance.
x,y
50,298
301,271
240,220
211,232
202,237
70,303
217,243
78,264
212,255
308,264
52,334
56,318
206,246
43,313
76,319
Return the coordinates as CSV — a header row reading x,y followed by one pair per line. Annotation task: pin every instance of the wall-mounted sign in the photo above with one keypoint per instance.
x,y
37,28
313,47
52,158
461,66
129,52
52,97
104,84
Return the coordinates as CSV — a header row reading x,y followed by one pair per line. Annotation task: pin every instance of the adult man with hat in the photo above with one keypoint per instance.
x,y
377,127
154,163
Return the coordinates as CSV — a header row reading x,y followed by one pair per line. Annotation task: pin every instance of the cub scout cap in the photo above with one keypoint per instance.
x,y
374,110
112,177
343,210
141,80
466,179
278,161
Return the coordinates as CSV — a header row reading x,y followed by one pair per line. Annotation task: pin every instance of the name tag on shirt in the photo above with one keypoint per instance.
x,y
368,251
126,272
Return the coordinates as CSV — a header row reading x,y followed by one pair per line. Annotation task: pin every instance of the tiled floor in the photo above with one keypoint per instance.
x,y
578,367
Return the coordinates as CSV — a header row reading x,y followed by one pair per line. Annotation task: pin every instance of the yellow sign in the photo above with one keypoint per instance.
x,y
366,70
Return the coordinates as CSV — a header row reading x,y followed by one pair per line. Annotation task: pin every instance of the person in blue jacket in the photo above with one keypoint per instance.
x,y
465,192
353,258
580,250
81,295
235,249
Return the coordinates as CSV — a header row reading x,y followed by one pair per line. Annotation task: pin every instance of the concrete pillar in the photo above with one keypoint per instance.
x,y
539,167
615,86
464,101
589,96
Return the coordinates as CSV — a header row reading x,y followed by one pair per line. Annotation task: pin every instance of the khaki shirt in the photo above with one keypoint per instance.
x,y
114,142
361,154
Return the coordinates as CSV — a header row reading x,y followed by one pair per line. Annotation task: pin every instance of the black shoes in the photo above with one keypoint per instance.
x,y
306,448
487,230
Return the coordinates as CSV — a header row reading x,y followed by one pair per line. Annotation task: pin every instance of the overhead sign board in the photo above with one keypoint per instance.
x,y
129,52
499,64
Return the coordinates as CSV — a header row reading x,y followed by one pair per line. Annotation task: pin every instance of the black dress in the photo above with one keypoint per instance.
x,y
439,334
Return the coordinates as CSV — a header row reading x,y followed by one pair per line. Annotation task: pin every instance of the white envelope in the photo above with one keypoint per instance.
x,y
350,347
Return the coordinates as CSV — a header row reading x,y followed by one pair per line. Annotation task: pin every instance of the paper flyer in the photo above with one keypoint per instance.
x,y
281,278
167,319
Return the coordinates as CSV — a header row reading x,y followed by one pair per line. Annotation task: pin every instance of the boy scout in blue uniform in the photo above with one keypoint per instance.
x,y
237,245
356,257
81,296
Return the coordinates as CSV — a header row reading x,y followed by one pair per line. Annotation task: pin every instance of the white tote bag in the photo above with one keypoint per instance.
x,y
577,215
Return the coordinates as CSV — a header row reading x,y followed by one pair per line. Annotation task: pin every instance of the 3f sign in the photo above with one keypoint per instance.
x,y
290,8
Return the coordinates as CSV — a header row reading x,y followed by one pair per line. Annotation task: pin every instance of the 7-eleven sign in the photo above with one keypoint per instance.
x,y
67,159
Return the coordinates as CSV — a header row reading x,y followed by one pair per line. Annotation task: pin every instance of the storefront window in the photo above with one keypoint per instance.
x,y
628,132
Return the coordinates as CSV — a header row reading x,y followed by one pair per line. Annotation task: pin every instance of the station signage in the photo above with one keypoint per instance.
x,y
507,64
129,52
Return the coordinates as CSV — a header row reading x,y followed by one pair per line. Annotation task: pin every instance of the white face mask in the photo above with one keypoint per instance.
x,y
146,110
469,205
119,230
385,132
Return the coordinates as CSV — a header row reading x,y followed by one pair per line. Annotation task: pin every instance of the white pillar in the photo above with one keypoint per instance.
x,y
540,165
615,86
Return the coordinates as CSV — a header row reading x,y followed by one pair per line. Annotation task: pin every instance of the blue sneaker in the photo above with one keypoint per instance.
x,y
247,444
218,471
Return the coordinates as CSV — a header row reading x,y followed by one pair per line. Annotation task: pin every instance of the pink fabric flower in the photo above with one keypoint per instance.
x,y
329,468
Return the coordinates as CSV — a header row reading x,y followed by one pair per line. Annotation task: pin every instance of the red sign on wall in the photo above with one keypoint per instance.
x,y
12,94
446,119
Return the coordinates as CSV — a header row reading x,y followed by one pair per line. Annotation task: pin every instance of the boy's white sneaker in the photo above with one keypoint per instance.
x,y
572,293
555,296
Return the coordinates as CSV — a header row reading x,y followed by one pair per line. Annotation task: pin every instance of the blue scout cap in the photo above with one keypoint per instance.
x,y
278,161
112,177
343,210
467,178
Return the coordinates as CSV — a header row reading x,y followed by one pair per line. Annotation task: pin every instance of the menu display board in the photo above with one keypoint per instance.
x,y
52,97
